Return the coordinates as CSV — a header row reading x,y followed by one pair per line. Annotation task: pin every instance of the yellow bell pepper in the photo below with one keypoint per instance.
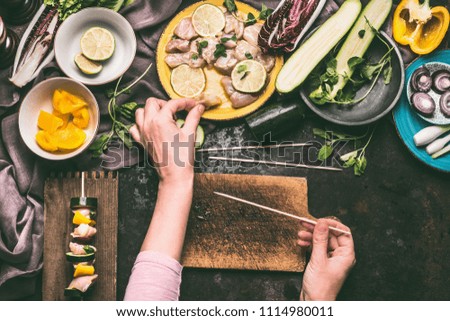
x,y
79,218
420,26
81,118
49,122
82,270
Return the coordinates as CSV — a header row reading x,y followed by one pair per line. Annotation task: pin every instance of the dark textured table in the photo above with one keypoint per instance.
x,y
399,212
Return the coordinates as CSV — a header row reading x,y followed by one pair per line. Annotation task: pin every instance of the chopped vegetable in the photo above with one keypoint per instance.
x,y
420,26
423,103
421,79
199,134
79,218
82,270
441,81
313,50
429,134
49,122
284,28
80,257
37,47
351,54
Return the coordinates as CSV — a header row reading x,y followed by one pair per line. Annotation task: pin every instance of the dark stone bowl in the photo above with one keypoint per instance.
x,y
380,101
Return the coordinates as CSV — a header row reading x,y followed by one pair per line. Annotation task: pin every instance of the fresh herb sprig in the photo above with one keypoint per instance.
x,y
364,71
251,19
356,158
122,117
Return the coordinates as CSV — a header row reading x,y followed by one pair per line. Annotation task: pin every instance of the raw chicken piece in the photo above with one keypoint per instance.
x,y
243,48
237,98
78,249
251,34
208,51
176,59
83,283
226,64
84,231
185,29
208,100
267,61
177,45
230,44
232,25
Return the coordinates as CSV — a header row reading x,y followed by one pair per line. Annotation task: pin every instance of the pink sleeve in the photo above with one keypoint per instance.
x,y
154,277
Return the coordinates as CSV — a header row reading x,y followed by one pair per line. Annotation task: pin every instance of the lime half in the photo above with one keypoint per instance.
x,y
249,76
208,20
87,66
97,44
187,82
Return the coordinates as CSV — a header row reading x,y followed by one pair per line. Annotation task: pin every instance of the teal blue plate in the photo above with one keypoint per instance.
x,y
408,123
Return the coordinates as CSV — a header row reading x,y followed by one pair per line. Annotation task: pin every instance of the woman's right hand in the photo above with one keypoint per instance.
x,y
171,148
332,258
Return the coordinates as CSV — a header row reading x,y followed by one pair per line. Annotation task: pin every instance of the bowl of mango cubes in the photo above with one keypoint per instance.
x,y
59,118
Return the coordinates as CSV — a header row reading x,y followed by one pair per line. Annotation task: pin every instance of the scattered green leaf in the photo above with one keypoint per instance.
x,y
265,12
220,51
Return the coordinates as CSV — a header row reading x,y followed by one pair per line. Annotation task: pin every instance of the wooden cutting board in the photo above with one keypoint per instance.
x,y
226,234
57,272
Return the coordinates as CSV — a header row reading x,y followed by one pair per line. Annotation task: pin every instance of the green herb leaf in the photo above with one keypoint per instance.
x,y
241,68
201,45
230,5
265,12
387,75
350,162
175,37
226,39
360,166
194,56
321,133
251,19
361,33
100,142
324,152
354,62
125,137
220,51
88,249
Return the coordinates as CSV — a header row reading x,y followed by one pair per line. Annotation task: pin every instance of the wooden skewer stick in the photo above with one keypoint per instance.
x,y
220,149
82,185
304,219
251,160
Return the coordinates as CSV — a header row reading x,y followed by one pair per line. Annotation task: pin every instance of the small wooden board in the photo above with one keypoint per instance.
x,y
57,272
226,234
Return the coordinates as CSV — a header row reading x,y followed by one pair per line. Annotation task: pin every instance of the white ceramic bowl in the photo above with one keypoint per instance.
x,y
67,44
40,97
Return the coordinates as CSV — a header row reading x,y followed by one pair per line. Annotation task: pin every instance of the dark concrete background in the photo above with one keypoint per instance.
x,y
398,211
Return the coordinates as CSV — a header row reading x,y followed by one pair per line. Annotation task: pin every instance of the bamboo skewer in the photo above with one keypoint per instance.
x,y
304,219
251,160
220,149
82,185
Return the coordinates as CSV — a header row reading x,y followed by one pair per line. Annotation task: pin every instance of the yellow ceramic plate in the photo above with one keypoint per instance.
x,y
224,111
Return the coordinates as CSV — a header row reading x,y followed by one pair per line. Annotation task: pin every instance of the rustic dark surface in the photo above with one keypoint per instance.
x,y
398,211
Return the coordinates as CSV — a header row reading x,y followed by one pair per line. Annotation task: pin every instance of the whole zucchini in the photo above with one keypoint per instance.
x,y
358,41
315,48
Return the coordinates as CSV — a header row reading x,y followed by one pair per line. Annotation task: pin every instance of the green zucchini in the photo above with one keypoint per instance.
x,y
316,47
276,118
80,258
77,202
73,293
357,42
199,135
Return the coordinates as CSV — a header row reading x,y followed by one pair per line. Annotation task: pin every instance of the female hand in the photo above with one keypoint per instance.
x,y
171,148
331,260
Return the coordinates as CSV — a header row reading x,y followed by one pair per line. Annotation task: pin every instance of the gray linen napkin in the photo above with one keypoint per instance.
x,y
22,174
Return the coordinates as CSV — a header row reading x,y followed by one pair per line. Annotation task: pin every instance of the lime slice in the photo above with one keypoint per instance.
x,y
87,66
187,81
249,76
97,44
208,20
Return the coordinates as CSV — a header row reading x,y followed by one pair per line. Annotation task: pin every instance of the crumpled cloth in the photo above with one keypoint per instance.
x,y
22,174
